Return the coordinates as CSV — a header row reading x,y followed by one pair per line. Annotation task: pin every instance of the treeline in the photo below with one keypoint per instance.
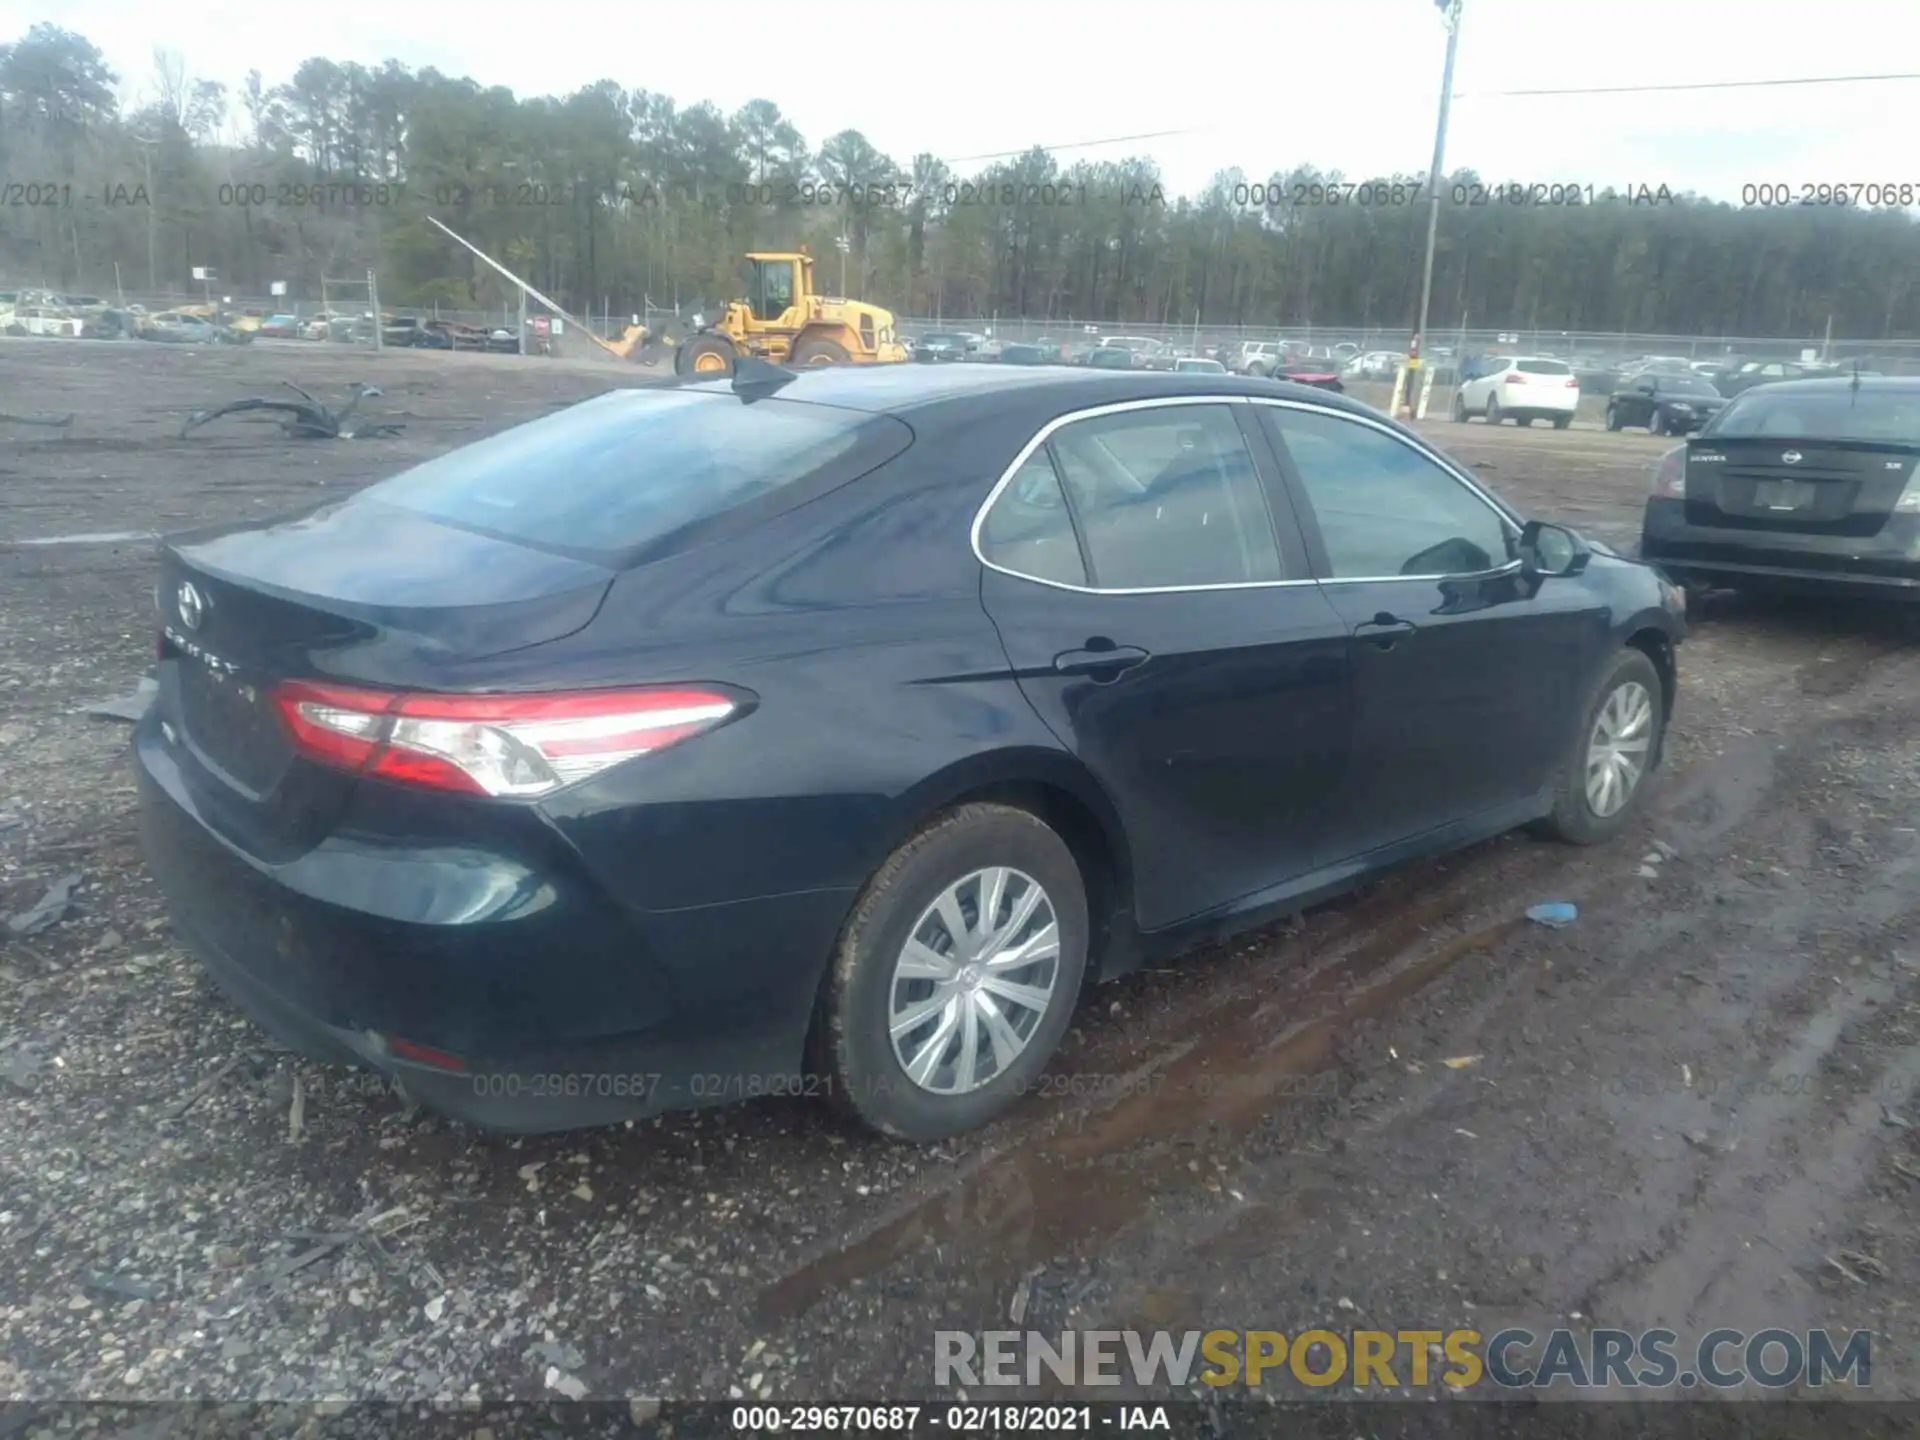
x,y
624,197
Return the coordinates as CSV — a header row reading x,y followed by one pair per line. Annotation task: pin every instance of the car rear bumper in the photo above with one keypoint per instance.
x,y
554,1008
1885,564
1543,402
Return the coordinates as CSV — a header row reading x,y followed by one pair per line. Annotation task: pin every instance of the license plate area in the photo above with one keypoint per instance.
x,y
1784,495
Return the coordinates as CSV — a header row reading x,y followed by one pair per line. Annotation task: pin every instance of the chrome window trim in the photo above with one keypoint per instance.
x,y
1120,407
1506,516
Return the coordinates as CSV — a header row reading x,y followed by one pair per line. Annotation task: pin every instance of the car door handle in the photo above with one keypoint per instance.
x,y
1383,632
1103,664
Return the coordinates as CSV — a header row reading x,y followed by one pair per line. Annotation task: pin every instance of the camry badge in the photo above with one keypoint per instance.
x,y
193,605
1792,457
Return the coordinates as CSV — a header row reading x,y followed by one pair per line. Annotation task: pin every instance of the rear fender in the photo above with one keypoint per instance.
x,y
1034,775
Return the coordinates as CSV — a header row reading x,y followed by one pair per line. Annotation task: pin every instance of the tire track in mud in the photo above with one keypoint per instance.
x,y
1722,970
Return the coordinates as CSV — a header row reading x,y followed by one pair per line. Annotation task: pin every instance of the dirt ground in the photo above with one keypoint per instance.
x,y
1689,1108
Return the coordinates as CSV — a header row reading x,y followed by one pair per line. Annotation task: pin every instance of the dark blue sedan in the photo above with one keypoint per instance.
x,y
829,734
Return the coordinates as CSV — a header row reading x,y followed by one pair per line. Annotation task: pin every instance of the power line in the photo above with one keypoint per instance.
x,y
1077,145
1704,85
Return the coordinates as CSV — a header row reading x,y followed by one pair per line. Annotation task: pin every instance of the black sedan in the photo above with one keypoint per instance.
x,y
829,734
1665,404
1802,485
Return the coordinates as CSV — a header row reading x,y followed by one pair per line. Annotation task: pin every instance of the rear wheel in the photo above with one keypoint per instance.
x,y
1493,411
1618,745
1561,422
820,352
1524,421
1459,410
956,974
1613,418
705,355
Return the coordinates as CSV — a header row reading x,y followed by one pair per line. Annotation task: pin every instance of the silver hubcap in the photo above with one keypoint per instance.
x,y
1618,748
974,981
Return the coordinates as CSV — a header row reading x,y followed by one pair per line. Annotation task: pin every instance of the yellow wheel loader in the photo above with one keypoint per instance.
x,y
784,321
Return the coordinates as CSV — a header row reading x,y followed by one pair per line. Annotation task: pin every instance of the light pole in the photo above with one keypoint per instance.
x,y
146,156
1450,11
843,245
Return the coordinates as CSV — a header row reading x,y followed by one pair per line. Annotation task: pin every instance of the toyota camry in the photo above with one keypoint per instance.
x,y
832,733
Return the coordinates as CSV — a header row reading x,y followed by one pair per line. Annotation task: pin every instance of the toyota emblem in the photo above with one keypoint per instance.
x,y
193,605
1792,457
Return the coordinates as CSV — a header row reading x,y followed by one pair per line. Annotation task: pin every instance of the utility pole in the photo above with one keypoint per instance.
x,y
146,155
1450,11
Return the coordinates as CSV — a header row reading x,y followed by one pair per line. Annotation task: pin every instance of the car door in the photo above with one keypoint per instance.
x,y
1168,632
1642,396
1467,673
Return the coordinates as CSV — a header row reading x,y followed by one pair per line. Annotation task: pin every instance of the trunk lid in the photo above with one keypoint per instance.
x,y
1814,487
355,592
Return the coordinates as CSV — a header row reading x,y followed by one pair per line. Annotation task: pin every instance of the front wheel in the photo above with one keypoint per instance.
x,y
1656,424
956,974
1622,730
820,352
708,356
1494,416
1459,410
1613,418
1561,422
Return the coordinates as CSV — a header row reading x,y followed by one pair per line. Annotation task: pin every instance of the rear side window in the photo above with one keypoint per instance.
x,y
1029,531
1836,412
1545,367
621,473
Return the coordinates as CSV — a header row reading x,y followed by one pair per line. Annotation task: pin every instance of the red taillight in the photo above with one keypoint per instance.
x,y
1573,382
425,1055
1516,378
495,745
1670,479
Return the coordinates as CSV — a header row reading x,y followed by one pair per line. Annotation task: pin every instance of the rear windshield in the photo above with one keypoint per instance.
x,y
942,337
1544,367
1835,412
618,473
1686,385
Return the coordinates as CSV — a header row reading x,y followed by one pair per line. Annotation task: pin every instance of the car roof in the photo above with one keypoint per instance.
x,y
898,389
1828,384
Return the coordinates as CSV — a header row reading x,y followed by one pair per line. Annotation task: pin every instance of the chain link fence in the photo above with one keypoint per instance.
x,y
1591,350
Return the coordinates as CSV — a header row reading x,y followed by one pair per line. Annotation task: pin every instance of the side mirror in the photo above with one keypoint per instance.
x,y
1549,551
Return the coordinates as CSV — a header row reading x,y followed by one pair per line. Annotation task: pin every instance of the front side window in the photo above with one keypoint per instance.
x,y
1159,498
1384,509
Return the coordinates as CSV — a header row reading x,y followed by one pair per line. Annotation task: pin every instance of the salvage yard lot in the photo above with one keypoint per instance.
x,y
1690,1108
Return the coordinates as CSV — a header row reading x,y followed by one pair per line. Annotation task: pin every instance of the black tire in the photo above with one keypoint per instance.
x,y
1561,422
1459,409
688,358
1525,422
820,352
1613,418
1656,423
1573,818
855,1048
1494,417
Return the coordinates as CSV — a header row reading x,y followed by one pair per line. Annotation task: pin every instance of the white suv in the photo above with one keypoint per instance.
x,y
1257,357
1525,387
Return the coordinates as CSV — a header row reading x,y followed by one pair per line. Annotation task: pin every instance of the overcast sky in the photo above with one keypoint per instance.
x,y
1261,84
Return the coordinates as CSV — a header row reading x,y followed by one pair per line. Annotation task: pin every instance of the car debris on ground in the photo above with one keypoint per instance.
x,y
48,911
307,418
57,422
